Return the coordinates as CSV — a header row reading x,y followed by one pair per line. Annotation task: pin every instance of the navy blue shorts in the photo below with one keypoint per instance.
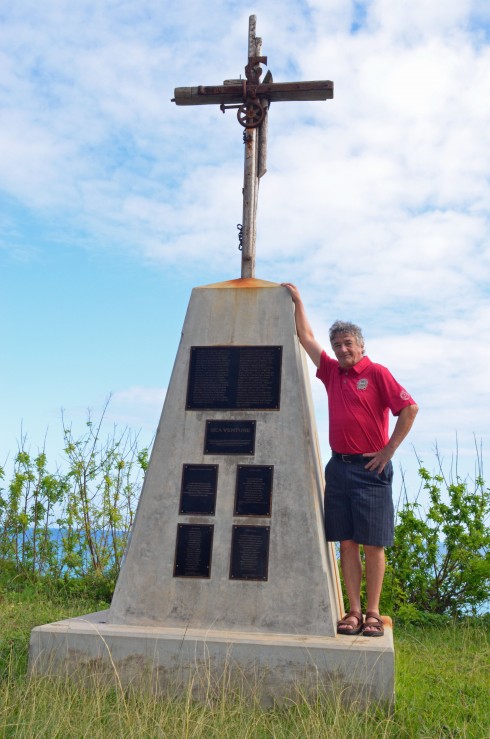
x,y
358,503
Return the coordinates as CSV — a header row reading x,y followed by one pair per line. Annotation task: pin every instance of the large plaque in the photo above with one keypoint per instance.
x,y
198,493
249,553
193,550
253,496
229,437
234,377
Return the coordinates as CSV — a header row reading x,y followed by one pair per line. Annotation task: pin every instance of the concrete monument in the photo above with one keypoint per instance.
x,y
227,575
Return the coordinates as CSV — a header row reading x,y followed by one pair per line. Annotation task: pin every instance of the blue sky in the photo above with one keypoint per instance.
x,y
114,203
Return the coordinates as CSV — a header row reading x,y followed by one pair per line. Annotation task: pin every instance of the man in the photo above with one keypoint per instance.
x,y
358,496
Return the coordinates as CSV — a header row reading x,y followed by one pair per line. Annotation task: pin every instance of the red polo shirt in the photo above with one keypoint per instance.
x,y
358,403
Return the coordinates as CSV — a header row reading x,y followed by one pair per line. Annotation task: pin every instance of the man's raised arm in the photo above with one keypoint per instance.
x,y
305,332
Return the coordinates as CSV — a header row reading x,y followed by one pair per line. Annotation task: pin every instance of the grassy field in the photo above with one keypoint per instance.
x,y
442,690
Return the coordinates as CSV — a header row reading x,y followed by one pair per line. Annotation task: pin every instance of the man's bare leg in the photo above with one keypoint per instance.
x,y
350,561
375,570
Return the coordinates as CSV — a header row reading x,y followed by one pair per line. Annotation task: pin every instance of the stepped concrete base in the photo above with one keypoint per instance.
x,y
270,668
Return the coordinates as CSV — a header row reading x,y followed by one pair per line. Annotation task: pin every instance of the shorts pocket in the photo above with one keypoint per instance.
x,y
387,473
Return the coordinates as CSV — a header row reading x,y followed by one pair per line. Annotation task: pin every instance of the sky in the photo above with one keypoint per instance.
x,y
115,203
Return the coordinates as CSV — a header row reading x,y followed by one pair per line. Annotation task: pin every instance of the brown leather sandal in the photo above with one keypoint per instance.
x,y
347,628
376,626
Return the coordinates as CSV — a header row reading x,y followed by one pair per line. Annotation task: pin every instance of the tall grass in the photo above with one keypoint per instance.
x,y
442,679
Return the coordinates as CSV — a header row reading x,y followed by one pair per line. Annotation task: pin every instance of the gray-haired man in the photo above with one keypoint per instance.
x,y
358,494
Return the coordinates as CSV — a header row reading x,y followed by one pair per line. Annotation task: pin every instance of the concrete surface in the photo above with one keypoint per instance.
x,y
272,668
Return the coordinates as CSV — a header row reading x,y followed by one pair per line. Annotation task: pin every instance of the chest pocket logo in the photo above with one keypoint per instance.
x,y
362,384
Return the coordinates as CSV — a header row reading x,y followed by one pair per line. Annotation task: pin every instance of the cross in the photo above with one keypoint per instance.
x,y
252,98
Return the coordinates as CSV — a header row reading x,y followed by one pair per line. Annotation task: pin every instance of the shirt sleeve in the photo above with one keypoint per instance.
x,y
394,395
327,365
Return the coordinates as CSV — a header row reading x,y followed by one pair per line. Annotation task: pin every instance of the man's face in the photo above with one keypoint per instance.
x,y
347,350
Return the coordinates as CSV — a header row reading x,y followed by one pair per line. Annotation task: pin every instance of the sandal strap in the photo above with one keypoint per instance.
x,y
377,621
352,614
374,615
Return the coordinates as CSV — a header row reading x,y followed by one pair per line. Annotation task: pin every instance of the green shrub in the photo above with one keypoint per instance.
x,y
440,561
73,524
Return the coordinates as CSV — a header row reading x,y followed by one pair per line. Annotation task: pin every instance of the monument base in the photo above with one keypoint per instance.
x,y
172,661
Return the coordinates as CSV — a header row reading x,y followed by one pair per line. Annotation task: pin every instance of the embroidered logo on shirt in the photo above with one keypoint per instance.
x,y
404,395
362,384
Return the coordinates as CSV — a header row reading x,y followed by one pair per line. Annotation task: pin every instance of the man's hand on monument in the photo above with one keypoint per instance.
x,y
293,291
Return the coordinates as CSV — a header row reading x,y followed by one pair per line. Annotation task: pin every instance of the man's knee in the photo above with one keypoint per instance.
x,y
348,545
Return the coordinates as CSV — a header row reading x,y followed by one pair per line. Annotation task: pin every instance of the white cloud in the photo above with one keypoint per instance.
x,y
416,19
137,407
139,396
376,203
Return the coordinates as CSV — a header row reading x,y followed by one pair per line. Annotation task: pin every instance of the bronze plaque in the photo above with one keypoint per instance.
x,y
253,496
249,553
193,550
234,377
198,493
229,437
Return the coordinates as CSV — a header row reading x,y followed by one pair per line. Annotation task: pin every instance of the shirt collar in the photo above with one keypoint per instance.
x,y
359,367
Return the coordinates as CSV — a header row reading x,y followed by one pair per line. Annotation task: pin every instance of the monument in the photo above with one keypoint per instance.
x,y
227,575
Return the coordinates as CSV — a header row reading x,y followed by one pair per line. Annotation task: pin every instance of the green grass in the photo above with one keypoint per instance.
x,y
442,690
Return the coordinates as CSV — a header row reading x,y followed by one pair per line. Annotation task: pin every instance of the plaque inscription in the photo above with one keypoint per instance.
x,y
253,495
198,493
229,437
249,553
234,377
193,550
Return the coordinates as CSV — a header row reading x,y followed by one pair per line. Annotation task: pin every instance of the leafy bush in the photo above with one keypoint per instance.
x,y
440,561
73,523
27,513
103,487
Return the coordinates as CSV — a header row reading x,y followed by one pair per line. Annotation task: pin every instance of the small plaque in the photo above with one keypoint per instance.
x,y
193,550
229,437
198,493
234,378
249,553
253,495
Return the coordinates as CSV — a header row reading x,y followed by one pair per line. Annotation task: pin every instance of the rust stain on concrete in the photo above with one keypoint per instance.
x,y
242,282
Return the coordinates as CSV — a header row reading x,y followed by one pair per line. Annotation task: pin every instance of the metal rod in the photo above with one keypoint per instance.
x,y
250,175
250,188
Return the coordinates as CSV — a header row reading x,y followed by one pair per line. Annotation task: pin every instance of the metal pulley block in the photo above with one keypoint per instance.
x,y
250,114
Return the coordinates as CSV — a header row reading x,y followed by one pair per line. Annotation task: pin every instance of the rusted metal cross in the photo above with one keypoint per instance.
x,y
252,98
